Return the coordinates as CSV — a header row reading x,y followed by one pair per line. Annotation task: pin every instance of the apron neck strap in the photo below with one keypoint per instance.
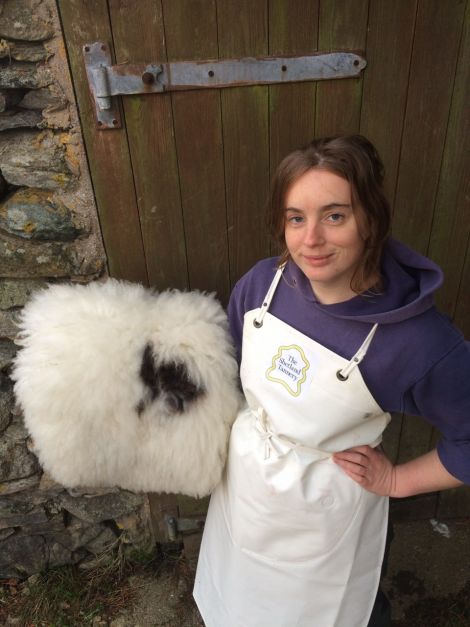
x,y
356,359
258,321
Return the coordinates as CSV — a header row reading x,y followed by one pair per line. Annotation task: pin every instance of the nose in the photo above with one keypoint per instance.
x,y
314,234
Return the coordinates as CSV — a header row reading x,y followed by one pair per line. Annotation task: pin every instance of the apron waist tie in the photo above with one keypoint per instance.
x,y
280,444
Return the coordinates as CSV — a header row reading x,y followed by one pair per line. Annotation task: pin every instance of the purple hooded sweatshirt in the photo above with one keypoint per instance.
x,y
418,361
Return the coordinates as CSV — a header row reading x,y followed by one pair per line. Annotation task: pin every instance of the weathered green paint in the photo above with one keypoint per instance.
x,y
242,31
389,45
139,35
108,152
427,114
191,31
451,216
342,26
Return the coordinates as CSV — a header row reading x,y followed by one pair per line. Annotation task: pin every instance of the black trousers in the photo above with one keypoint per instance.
x,y
382,612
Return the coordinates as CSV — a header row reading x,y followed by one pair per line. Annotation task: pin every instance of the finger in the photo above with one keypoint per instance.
x,y
363,449
358,478
352,468
355,458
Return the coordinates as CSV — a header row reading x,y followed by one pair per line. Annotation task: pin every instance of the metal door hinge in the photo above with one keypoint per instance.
x,y
106,80
176,526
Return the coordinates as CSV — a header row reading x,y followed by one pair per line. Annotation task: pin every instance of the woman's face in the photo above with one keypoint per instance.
x,y
322,233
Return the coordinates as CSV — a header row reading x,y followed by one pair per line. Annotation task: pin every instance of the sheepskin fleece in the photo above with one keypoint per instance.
x,y
77,381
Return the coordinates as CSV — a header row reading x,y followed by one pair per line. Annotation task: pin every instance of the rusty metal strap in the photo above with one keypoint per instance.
x,y
107,80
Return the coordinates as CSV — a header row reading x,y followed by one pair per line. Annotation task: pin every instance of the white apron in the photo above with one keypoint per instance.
x,y
290,540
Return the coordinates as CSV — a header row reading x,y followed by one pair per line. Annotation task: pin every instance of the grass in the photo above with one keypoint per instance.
x,y
67,596
71,597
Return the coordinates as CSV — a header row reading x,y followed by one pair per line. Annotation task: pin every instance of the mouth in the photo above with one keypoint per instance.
x,y
318,260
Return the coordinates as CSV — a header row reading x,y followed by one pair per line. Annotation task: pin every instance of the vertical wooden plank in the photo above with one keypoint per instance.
x,y
462,310
430,91
388,53
343,26
108,153
242,32
192,508
139,37
293,29
162,506
451,222
416,438
391,439
191,33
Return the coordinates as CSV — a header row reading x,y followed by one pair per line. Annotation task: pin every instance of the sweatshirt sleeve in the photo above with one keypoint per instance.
x,y
236,312
443,397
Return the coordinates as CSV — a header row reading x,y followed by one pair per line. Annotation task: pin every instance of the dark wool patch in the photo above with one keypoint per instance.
x,y
168,380
148,372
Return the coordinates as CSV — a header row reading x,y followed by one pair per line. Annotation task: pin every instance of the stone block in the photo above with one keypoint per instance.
x,y
19,485
22,51
38,259
54,526
102,542
8,351
35,159
34,214
23,75
10,98
3,183
15,512
19,119
4,533
7,401
16,462
78,533
50,97
16,293
57,554
14,506
8,326
25,20
22,555
48,485
99,508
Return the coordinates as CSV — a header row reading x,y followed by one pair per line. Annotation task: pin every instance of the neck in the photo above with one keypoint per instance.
x,y
329,295
332,294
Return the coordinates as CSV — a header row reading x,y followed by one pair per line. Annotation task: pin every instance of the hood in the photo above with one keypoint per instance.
x,y
409,282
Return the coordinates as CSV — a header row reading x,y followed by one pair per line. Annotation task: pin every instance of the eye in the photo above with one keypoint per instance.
x,y
335,217
295,219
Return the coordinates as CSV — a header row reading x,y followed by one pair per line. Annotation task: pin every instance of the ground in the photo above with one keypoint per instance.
x,y
428,582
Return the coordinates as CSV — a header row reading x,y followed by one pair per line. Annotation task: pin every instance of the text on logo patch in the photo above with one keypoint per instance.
x,y
289,368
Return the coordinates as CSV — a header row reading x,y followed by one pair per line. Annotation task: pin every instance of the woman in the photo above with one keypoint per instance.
x,y
336,334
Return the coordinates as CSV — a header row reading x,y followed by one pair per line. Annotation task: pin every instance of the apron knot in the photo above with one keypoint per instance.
x,y
280,444
272,441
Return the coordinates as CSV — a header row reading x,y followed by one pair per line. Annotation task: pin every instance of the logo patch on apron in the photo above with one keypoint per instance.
x,y
289,368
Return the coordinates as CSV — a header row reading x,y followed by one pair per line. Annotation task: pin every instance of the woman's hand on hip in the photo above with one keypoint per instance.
x,y
369,467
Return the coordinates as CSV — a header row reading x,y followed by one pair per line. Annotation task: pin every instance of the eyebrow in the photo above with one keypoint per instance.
x,y
332,205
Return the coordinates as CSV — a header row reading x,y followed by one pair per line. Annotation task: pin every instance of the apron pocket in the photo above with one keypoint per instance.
x,y
287,509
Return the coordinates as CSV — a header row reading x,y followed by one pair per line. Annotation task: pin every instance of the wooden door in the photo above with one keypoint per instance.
x,y
181,187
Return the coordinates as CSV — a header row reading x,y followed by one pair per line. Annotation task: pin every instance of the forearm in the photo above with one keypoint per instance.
x,y
423,474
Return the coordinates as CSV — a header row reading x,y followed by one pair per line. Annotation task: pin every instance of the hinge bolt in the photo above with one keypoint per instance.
x,y
148,78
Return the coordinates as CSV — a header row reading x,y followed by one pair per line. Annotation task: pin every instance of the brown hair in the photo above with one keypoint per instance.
x,y
356,160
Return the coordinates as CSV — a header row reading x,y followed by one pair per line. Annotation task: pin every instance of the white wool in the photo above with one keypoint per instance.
x,y
77,381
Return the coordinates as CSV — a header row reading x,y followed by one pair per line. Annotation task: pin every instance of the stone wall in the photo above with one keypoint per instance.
x,y
49,231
